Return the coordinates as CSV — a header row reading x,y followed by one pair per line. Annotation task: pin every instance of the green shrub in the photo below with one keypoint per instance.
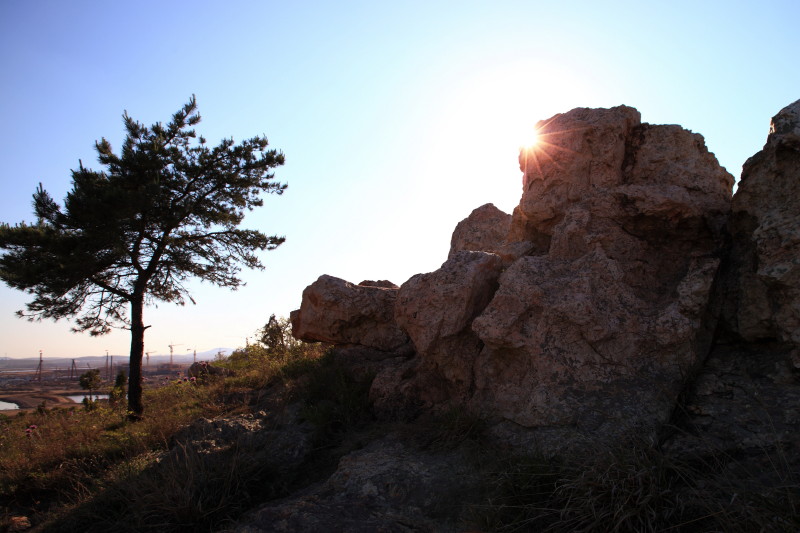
x,y
117,393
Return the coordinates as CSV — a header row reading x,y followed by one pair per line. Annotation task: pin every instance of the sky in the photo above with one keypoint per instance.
x,y
397,119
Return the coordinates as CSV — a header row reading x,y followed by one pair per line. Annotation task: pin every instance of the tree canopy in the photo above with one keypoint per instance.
x,y
167,208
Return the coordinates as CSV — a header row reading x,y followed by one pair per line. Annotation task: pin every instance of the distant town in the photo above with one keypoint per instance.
x,y
36,381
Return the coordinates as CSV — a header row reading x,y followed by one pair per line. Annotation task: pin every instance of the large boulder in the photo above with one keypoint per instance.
x,y
577,153
571,349
596,333
338,312
765,226
587,154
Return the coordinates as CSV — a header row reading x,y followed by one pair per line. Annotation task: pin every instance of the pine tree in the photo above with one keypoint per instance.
x,y
165,209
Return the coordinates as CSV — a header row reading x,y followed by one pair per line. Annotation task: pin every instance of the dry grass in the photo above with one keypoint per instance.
x,y
63,465
183,490
59,454
637,488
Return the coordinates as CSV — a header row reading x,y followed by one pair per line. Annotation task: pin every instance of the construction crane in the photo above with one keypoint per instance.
x,y
171,347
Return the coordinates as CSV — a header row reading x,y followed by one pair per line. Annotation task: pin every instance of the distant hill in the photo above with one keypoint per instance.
x,y
97,361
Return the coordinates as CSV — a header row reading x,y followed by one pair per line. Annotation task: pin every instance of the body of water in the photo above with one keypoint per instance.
x,y
7,405
78,398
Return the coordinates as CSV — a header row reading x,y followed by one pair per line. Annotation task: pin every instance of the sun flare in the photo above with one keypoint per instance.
x,y
529,138
488,117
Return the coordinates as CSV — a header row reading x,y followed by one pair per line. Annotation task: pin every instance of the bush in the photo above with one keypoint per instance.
x,y
117,393
257,366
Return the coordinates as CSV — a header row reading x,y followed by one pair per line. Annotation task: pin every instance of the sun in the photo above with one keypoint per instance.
x,y
483,121
528,138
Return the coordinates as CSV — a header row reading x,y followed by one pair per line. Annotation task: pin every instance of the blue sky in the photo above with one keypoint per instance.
x,y
397,119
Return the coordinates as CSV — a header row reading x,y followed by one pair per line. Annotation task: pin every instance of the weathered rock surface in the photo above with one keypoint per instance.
x,y
338,312
747,397
578,152
484,230
384,283
590,318
745,402
437,309
384,487
569,345
765,227
279,441
597,333
651,170
399,391
587,313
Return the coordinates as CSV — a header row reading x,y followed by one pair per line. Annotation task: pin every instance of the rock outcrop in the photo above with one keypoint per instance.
x,y
621,307
588,313
746,399
484,230
765,227
437,309
596,335
385,487
338,312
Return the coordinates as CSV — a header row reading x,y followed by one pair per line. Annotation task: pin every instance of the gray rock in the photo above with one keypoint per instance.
x,y
594,337
278,440
385,487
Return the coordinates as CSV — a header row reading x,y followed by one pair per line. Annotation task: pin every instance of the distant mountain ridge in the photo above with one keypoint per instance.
x,y
95,361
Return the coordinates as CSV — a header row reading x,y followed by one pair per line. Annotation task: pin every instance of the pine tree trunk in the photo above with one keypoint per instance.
x,y
135,407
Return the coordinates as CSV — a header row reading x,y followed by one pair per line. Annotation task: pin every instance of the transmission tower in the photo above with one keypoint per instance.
x,y
38,376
